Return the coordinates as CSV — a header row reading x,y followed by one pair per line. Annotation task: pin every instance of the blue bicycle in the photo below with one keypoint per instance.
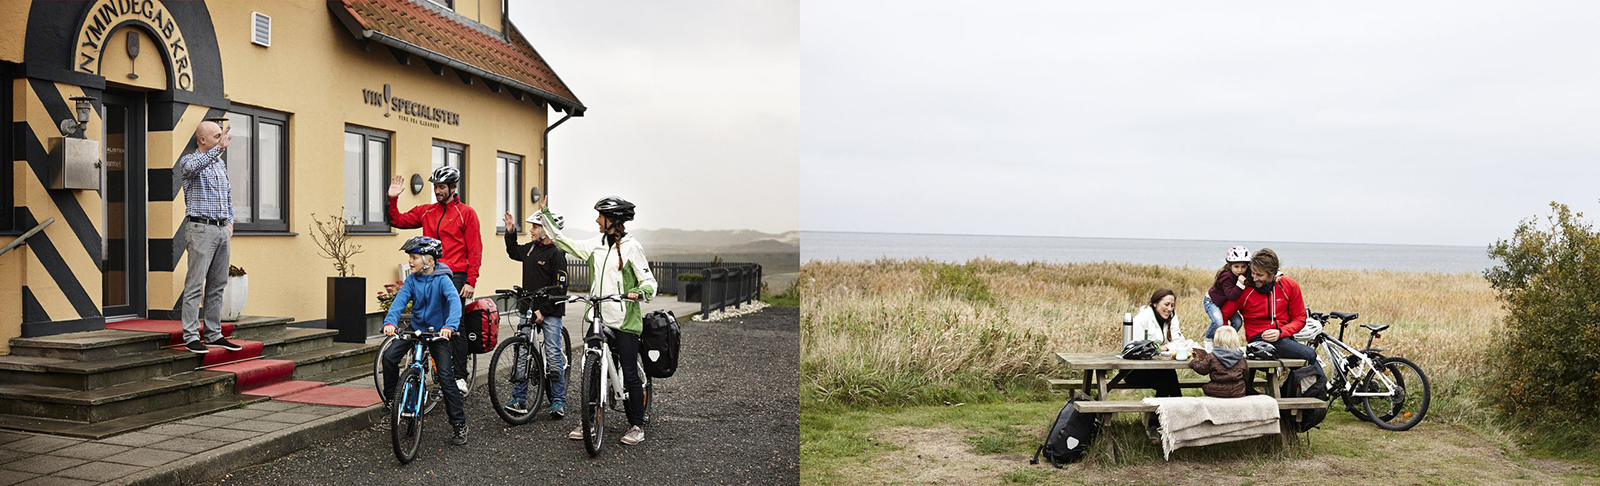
x,y
413,400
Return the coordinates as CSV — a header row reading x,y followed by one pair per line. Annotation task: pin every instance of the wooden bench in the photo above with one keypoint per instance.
x,y
1112,407
1057,383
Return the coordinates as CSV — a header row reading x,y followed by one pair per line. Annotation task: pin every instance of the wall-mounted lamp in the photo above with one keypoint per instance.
x,y
416,184
75,127
535,195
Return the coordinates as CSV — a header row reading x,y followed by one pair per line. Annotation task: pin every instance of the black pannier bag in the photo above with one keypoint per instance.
x,y
1070,436
659,343
1305,381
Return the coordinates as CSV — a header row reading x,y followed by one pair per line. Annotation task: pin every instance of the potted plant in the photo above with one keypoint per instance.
x,y
235,293
689,287
346,309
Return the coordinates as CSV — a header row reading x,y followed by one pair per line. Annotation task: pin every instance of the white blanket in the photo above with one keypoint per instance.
x,y
1198,421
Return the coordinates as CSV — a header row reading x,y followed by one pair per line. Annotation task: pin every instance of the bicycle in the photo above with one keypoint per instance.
x,y
601,373
414,399
377,367
1374,387
510,365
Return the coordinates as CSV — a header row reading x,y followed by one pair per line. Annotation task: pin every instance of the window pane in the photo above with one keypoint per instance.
x,y
514,189
500,189
438,158
238,159
352,177
377,154
269,168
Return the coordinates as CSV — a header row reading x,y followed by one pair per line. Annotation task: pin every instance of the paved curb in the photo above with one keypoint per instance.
x,y
216,463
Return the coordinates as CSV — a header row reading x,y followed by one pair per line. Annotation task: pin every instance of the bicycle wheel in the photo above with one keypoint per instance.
x,y
472,374
1409,401
593,410
436,392
377,368
511,366
405,430
1355,405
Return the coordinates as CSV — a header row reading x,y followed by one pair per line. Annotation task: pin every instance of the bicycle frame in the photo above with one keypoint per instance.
x,y
1340,358
419,352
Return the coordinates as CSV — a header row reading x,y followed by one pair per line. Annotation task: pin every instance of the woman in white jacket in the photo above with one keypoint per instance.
x,y
617,265
1156,323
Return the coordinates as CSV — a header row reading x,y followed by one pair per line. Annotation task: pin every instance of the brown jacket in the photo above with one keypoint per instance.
x,y
1225,382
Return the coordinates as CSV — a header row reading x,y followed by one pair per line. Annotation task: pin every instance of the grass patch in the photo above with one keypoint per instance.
x,y
789,297
1025,475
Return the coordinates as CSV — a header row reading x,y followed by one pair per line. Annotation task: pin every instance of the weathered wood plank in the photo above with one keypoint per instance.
x,y
1115,406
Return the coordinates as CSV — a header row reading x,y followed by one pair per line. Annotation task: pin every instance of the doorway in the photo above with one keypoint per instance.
x,y
123,259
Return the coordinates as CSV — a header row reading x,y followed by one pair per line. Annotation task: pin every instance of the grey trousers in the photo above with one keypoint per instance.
x,y
208,273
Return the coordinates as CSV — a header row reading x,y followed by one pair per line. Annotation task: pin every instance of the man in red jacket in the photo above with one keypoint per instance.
x,y
456,226
1273,308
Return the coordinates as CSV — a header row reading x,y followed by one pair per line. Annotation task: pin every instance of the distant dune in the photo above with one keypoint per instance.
x,y
777,253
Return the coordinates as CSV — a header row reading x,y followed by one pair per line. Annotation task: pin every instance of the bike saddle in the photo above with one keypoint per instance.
x,y
1345,316
1376,327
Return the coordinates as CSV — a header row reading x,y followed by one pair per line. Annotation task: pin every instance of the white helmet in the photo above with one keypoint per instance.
x,y
555,217
1238,254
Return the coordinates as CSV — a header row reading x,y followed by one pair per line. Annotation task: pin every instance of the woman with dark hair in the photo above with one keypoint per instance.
x,y
1156,322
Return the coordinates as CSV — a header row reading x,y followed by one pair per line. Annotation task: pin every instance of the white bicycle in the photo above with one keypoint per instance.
x,y
602,373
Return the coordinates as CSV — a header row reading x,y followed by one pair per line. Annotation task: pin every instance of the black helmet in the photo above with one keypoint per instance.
x,y
1261,350
445,175
423,245
1141,349
615,208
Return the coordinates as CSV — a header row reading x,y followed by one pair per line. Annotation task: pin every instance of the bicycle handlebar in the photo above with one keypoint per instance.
x,y
420,336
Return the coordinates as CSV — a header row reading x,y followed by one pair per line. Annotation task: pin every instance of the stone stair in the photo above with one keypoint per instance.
x,y
101,383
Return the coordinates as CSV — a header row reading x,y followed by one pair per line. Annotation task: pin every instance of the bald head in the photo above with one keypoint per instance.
x,y
207,135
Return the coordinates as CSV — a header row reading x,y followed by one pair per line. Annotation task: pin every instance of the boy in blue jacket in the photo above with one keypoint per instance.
x,y
435,307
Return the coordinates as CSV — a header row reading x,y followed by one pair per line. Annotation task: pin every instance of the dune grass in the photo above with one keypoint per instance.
x,y
902,333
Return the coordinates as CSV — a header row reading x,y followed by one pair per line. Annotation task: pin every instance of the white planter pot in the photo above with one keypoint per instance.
x,y
234,296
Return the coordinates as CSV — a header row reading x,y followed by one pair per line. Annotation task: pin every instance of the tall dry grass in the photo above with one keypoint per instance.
x,y
894,332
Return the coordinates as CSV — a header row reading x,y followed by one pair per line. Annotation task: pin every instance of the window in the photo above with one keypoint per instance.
x,y
449,4
258,169
366,178
454,155
508,189
6,202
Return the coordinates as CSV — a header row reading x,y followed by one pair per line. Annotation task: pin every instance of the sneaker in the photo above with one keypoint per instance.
x,y
462,384
577,433
517,406
224,343
460,436
634,436
196,348
557,411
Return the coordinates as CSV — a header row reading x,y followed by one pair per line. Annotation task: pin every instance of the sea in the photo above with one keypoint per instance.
x,y
830,246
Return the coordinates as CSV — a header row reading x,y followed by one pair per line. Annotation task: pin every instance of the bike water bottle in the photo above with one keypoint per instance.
x,y
1127,327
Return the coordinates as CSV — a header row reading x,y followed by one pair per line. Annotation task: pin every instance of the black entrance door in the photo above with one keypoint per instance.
x,y
123,253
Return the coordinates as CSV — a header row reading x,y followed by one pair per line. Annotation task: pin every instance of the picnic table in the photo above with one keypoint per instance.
x,y
1098,381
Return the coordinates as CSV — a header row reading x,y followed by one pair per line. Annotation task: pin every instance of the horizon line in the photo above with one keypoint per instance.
x,y
802,239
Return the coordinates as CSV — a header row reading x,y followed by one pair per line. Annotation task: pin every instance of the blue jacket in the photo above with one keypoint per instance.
x,y
433,299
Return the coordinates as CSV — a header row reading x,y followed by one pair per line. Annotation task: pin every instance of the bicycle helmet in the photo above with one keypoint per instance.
x,y
1313,326
445,175
1261,350
555,218
615,208
1238,254
423,245
1141,349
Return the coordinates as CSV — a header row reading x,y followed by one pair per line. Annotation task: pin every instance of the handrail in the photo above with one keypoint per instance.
x,y
36,229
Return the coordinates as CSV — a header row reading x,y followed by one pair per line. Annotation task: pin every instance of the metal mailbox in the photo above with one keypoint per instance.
x,y
75,163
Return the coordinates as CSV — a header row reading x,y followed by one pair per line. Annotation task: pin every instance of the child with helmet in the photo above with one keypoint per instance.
x,y
1230,283
435,307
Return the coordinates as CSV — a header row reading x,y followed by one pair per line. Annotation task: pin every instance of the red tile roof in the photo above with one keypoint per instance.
x,y
420,28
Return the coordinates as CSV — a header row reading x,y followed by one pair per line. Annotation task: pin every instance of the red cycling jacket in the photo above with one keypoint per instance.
x,y
1284,309
456,227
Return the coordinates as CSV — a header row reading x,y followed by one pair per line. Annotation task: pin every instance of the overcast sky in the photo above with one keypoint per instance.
x,y
694,108
1381,122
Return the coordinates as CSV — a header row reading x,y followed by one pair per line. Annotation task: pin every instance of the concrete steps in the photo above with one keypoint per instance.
x,y
102,383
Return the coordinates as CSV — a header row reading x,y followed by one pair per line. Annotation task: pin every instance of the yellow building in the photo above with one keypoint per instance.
x,y
326,100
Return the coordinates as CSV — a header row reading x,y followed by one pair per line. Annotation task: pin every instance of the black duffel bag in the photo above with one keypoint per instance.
x,y
658,344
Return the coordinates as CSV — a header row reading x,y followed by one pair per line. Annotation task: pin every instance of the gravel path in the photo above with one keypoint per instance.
x,y
729,416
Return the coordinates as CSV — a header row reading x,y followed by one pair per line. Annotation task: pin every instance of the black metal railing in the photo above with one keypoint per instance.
x,y
730,285
666,274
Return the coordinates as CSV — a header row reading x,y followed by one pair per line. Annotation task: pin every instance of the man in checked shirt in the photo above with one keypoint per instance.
x,y
208,221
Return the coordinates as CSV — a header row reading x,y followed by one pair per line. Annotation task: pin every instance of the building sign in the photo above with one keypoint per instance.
x,y
105,16
410,111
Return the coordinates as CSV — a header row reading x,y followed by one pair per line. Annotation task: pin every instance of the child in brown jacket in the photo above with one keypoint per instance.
x,y
1225,364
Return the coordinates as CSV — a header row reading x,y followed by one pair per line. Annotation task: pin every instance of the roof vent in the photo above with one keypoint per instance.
x,y
261,29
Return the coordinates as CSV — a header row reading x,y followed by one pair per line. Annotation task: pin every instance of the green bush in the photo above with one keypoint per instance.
x,y
1549,359
690,277
959,281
